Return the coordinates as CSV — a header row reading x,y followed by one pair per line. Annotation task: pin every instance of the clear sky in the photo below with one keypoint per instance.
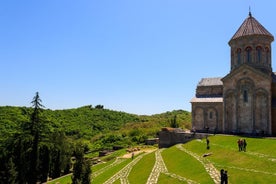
x,y
136,56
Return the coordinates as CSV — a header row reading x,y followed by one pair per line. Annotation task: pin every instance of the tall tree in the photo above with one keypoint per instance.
x,y
35,128
82,167
174,123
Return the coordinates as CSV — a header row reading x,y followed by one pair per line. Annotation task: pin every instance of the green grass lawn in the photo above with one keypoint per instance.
x,y
184,165
141,171
256,165
164,179
110,172
63,180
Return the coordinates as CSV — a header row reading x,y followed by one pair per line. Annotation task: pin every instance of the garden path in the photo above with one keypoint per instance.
x,y
160,167
123,173
102,170
209,167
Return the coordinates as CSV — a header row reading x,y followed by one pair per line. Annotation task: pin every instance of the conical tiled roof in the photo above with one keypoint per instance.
x,y
251,27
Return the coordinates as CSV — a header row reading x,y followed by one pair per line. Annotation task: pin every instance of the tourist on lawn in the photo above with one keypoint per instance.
x,y
223,177
207,142
244,145
240,144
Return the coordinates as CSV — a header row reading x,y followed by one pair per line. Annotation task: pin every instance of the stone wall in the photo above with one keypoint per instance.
x,y
171,137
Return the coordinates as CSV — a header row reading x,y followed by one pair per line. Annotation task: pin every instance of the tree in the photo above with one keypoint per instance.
x,y
12,173
99,106
82,170
35,129
44,163
174,123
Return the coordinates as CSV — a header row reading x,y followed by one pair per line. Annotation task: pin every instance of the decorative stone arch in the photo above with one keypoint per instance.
x,y
245,105
261,112
198,120
259,54
211,118
230,109
248,54
267,56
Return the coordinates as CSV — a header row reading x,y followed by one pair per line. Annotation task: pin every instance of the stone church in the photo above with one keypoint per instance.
x,y
243,101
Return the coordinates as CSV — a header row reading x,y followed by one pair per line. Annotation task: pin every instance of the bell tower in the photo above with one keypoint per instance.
x,y
251,45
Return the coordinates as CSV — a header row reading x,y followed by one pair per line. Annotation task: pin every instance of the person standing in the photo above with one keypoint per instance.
x,y
207,142
244,145
222,176
225,177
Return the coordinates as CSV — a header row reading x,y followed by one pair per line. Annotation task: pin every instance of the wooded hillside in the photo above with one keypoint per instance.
x,y
57,135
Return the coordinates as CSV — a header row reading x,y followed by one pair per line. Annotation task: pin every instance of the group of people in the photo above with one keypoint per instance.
x,y
223,176
242,144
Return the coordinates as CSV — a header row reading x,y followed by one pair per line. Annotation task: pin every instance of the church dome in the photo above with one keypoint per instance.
x,y
249,27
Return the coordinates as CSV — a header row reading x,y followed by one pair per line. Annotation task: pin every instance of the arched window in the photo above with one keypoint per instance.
x,y
245,96
248,54
211,115
267,55
238,56
259,54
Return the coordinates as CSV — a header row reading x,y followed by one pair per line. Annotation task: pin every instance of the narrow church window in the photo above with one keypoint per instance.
x,y
239,56
267,55
259,54
248,54
245,96
211,115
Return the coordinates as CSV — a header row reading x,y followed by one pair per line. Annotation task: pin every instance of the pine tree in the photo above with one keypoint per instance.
x,y
174,123
44,163
12,173
86,179
82,170
35,128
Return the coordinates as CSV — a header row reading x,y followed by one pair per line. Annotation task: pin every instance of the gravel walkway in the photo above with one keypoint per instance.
x,y
123,173
102,170
160,167
209,167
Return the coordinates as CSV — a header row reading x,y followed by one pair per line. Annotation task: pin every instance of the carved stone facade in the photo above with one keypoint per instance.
x,y
244,101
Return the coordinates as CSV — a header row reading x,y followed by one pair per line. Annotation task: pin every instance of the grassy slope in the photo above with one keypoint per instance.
x,y
184,165
141,171
256,165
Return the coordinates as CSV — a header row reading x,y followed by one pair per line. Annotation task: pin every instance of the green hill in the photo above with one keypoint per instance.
x,y
44,141
93,124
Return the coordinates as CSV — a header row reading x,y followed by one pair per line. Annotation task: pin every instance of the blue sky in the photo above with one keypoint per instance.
x,y
136,56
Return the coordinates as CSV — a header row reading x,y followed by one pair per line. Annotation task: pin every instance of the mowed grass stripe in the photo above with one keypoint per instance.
x,y
182,164
110,172
141,171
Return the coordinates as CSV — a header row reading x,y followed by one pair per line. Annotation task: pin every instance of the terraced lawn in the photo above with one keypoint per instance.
x,y
185,165
192,163
141,171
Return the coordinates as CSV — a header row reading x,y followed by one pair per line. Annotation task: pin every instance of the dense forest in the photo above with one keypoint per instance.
x,y
37,143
